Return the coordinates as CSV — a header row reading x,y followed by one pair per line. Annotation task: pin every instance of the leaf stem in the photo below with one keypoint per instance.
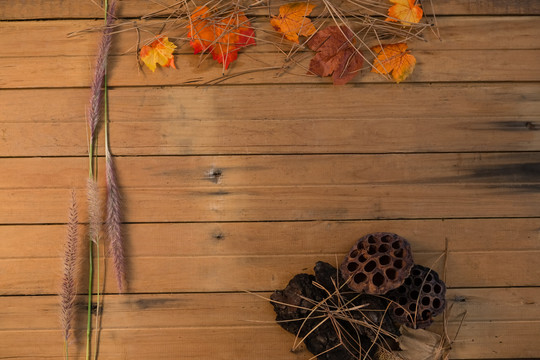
x,y
106,9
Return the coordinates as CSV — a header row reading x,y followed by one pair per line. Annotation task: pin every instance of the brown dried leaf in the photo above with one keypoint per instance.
x,y
420,345
336,54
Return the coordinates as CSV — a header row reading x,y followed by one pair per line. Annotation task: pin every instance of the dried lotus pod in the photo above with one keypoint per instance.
x,y
377,263
421,297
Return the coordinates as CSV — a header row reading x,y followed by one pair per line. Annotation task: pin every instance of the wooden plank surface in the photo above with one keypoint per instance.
x,y
128,317
191,121
242,256
150,104
457,33
507,185
282,238
502,170
240,186
282,203
441,66
502,339
153,311
178,273
61,9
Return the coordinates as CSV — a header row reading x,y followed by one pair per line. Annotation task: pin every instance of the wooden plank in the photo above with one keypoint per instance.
x,y
262,188
281,136
42,206
204,104
519,169
281,203
190,121
211,273
240,309
479,340
437,66
458,33
61,9
499,340
282,238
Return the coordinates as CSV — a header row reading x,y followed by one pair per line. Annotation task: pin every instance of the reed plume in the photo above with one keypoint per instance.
x,y
68,290
114,219
96,99
95,214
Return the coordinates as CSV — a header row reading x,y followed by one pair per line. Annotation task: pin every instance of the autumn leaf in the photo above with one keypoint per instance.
x,y
395,59
158,52
292,21
201,31
406,11
222,37
420,345
336,54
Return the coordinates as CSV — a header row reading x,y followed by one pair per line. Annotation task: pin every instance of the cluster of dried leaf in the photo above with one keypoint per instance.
x,y
344,38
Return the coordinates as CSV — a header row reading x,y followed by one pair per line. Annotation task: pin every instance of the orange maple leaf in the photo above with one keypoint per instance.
x,y
405,11
158,52
223,37
394,58
292,21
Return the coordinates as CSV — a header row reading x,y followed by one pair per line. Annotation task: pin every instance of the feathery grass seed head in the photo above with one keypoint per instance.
x,y
95,213
114,220
68,290
96,99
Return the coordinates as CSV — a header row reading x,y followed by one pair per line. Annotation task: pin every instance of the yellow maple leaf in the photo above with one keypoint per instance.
x,y
406,11
395,59
158,52
292,21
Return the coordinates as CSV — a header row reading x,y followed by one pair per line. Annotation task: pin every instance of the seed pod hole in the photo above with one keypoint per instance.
x,y
360,278
378,279
385,260
370,266
352,266
391,273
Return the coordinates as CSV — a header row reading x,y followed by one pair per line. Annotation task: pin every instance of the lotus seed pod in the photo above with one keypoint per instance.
x,y
377,263
419,299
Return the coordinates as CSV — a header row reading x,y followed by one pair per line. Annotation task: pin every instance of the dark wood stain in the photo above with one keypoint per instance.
x,y
515,125
146,303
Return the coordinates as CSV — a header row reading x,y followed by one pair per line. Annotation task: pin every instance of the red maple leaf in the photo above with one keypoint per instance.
x,y
223,37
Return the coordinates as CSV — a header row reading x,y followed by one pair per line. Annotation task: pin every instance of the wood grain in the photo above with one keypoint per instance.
x,y
239,187
480,340
495,170
457,33
283,238
152,311
217,273
440,66
422,186
61,9
292,102
287,203
191,121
